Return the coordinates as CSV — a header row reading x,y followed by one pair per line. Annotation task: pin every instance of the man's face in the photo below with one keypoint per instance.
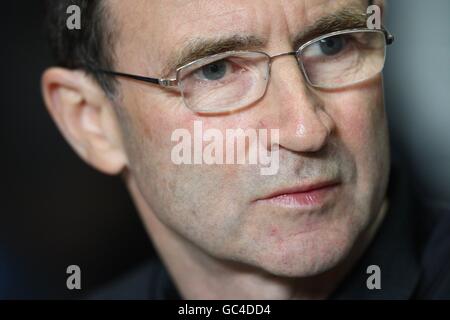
x,y
325,135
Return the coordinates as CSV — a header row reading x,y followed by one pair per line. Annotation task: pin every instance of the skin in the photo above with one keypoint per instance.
x,y
215,238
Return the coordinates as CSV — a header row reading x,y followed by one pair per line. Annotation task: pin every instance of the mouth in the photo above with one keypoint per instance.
x,y
303,196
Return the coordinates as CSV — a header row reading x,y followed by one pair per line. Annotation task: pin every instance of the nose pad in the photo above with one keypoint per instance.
x,y
301,68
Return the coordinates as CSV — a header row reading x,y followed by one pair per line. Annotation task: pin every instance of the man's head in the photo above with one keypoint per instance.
x,y
227,211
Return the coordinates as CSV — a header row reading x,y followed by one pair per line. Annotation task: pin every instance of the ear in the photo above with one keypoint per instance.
x,y
85,117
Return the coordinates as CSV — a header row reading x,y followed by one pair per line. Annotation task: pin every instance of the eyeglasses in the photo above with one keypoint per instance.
x,y
232,80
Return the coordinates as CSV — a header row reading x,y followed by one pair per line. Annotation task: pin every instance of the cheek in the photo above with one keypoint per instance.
x,y
362,127
186,191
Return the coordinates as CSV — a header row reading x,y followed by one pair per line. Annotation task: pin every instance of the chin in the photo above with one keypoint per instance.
x,y
307,255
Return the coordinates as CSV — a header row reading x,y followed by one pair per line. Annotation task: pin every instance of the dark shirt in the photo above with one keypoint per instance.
x,y
411,248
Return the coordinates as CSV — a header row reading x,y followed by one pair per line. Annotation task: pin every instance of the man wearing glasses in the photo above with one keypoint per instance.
x,y
334,222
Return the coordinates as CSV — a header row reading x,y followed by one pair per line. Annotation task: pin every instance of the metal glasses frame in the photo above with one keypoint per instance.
x,y
298,53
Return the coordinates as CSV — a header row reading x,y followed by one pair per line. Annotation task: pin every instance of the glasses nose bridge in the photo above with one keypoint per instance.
x,y
290,53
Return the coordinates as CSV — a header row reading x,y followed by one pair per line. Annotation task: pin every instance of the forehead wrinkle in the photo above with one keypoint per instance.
x,y
207,20
239,15
314,11
237,29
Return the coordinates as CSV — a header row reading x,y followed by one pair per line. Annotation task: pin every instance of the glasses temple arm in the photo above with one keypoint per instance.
x,y
161,82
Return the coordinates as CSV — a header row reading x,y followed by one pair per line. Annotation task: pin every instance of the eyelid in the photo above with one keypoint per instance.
x,y
229,73
199,68
307,53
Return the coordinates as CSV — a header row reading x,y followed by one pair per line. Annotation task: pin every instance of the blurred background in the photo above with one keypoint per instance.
x,y
56,211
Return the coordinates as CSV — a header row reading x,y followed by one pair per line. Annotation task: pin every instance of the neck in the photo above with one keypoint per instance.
x,y
198,275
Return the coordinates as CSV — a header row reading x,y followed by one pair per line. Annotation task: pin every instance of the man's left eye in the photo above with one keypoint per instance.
x,y
332,46
214,71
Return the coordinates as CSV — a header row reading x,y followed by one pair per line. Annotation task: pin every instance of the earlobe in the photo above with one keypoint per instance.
x,y
84,116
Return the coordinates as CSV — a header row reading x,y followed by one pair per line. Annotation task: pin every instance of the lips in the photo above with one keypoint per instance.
x,y
306,195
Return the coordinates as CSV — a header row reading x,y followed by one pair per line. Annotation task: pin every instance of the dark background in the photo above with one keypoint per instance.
x,y
56,211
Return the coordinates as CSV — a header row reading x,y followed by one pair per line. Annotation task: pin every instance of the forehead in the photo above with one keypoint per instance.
x,y
153,30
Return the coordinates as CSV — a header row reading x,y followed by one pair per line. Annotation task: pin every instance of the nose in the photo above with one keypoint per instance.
x,y
296,109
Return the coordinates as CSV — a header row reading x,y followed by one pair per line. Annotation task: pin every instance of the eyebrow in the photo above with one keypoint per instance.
x,y
198,48
347,18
